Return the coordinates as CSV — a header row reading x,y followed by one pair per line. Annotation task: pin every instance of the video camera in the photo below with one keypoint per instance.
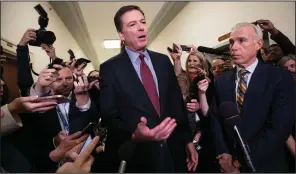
x,y
42,35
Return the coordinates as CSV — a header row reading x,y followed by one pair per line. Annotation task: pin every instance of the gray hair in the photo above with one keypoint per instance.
x,y
258,31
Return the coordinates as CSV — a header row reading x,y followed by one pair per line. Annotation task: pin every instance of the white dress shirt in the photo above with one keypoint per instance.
x,y
250,70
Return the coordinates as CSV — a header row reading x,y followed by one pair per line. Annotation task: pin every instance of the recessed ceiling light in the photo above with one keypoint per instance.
x,y
109,44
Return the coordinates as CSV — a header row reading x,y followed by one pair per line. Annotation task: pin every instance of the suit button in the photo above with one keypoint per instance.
x,y
161,144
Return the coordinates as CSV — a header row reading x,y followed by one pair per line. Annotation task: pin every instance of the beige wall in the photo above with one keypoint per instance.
x,y
17,17
201,23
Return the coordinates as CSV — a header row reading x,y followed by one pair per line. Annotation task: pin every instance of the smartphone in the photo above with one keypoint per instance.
x,y
58,98
72,56
56,61
94,129
89,129
80,61
185,48
175,47
93,78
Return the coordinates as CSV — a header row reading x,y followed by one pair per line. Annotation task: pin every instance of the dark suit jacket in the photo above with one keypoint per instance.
x,y
39,130
267,116
123,101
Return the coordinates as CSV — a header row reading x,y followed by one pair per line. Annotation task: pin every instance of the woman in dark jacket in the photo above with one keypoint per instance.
x,y
197,72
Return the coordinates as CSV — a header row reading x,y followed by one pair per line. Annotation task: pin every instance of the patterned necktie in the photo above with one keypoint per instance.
x,y
241,88
149,84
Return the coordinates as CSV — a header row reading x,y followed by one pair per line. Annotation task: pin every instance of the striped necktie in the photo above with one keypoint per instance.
x,y
241,88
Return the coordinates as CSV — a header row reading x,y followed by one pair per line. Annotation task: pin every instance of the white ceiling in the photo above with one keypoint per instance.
x,y
98,17
90,23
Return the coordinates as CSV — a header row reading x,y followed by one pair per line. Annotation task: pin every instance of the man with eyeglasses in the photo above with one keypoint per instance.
x,y
68,117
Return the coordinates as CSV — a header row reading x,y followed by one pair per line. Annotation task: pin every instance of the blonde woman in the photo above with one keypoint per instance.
x,y
194,82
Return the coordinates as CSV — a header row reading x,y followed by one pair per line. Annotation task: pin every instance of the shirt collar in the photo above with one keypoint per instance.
x,y
250,68
134,55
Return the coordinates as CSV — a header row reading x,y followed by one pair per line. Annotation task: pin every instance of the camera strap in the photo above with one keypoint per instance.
x,y
64,119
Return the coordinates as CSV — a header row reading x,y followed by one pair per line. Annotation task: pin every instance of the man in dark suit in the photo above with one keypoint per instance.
x,y
141,101
265,98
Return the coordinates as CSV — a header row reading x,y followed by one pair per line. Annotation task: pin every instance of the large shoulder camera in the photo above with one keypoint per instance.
x,y
42,35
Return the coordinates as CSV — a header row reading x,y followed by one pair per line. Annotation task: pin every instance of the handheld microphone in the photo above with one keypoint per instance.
x,y
125,154
211,51
229,111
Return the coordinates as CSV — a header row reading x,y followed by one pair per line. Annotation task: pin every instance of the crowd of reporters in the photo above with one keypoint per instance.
x,y
45,135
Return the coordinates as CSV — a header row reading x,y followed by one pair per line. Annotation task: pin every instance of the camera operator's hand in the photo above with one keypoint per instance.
x,y
81,89
268,26
28,36
46,78
158,133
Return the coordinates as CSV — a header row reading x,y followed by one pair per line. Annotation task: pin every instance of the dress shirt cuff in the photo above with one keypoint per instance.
x,y
85,107
33,92
9,122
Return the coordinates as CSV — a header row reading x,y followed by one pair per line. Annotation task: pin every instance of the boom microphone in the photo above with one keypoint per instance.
x,y
211,51
125,154
228,110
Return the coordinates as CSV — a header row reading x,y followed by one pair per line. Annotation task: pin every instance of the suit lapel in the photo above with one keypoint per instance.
x,y
253,97
254,91
137,88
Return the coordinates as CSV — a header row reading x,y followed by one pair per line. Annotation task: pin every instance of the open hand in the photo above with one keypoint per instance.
x,y
158,133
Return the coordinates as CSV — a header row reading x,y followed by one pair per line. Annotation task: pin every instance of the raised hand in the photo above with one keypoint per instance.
x,y
46,78
177,54
203,86
27,37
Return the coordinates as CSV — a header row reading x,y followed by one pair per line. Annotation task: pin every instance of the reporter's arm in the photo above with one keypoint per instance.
x,y
33,91
25,79
203,104
10,122
287,46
